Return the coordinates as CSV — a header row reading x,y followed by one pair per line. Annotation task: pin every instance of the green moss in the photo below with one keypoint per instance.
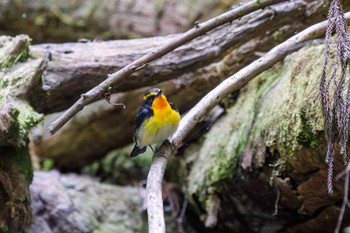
x,y
23,161
224,144
47,164
4,228
24,119
13,49
290,113
277,111
119,168
17,119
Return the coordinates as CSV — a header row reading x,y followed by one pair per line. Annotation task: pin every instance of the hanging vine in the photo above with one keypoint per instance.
x,y
335,87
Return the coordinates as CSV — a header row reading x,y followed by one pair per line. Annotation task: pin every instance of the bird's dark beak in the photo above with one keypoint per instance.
x,y
159,93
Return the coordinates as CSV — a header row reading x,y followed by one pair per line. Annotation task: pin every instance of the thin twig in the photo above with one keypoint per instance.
x,y
231,84
276,202
345,198
116,78
180,218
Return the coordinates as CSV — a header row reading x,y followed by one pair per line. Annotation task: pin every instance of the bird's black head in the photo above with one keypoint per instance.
x,y
151,94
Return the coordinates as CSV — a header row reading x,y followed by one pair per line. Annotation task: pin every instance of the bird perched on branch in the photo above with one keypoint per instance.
x,y
157,120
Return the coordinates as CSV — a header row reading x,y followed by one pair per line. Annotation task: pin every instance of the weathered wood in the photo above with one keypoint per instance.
x,y
112,127
81,66
64,20
262,138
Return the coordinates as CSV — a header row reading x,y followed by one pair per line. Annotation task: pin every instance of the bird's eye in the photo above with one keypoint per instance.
x,y
151,97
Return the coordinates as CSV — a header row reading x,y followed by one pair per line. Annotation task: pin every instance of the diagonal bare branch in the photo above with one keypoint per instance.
x,y
231,84
116,78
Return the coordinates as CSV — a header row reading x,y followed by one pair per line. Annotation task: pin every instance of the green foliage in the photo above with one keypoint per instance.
x,y
4,228
47,164
347,229
117,167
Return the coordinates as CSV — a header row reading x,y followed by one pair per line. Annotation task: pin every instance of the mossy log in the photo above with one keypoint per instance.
x,y
65,20
262,168
197,67
18,78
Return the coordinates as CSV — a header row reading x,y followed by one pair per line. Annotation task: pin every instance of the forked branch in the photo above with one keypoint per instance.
x,y
233,83
116,78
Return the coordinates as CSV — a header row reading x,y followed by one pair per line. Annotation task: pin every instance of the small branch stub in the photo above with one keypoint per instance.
x,y
115,78
231,84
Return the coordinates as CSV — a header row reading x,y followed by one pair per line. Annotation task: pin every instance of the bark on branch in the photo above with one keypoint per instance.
x,y
231,84
73,68
117,77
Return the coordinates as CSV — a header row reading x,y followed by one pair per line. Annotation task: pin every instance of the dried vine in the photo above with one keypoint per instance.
x,y
335,96
335,87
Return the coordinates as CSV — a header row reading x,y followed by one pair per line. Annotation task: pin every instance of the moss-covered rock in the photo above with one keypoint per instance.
x,y
263,162
18,78
75,203
118,168
220,152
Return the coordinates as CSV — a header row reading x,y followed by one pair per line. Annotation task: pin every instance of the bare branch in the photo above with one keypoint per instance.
x,y
117,77
345,199
231,84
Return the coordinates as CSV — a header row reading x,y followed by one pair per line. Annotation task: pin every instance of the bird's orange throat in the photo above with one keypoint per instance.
x,y
160,103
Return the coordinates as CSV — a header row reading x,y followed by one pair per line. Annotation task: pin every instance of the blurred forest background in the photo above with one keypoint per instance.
x,y
255,163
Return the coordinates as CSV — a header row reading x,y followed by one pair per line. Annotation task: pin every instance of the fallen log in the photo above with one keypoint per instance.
x,y
65,20
198,68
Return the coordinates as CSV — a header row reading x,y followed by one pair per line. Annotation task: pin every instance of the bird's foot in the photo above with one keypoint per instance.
x,y
152,149
172,147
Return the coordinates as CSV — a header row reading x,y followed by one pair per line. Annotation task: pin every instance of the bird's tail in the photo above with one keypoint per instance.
x,y
137,150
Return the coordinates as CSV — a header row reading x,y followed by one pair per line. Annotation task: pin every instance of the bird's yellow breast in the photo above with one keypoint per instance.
x,y
156,121
163,115
162,124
